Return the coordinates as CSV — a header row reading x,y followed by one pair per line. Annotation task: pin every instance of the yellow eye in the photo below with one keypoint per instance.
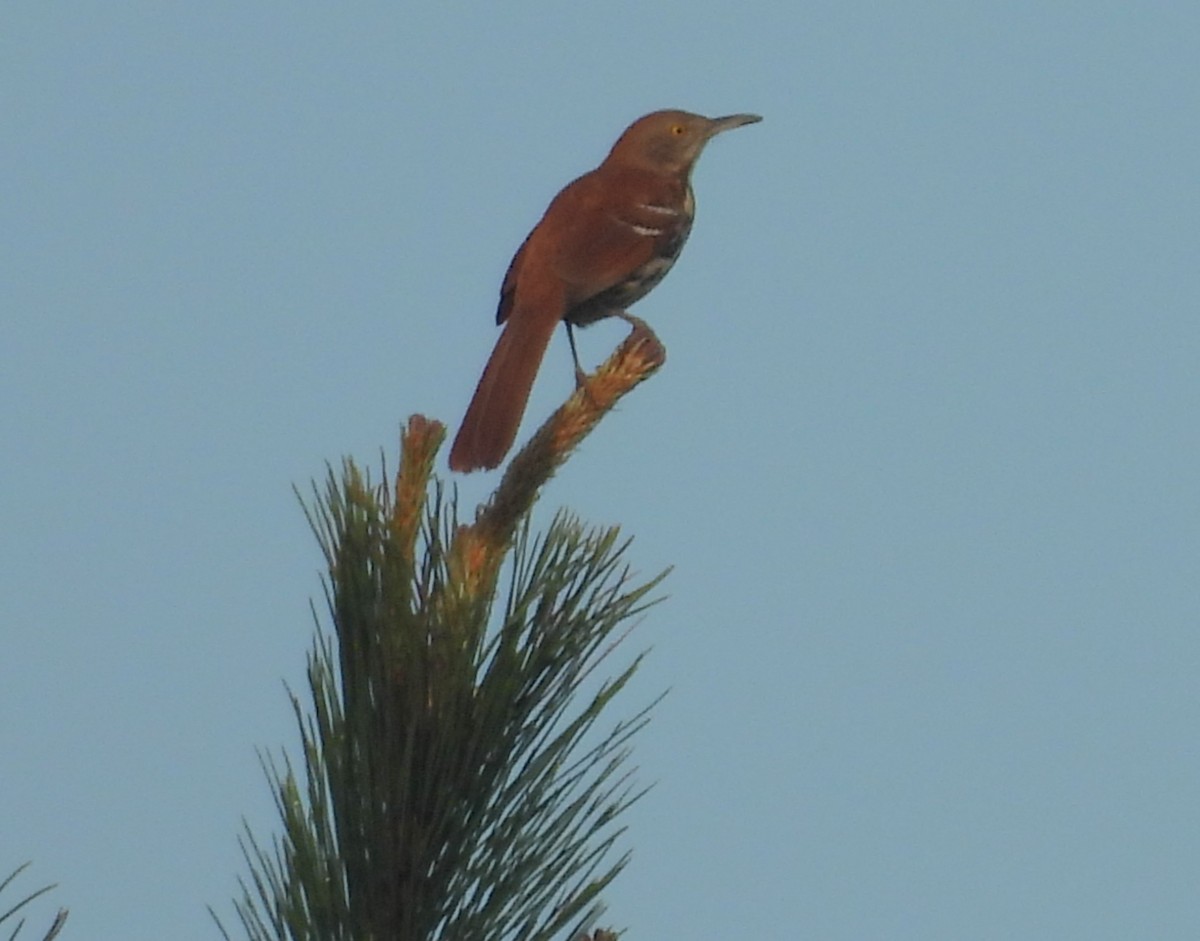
x,y
677,129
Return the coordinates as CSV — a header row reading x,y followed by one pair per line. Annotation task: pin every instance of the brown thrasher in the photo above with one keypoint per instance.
x,y
604,242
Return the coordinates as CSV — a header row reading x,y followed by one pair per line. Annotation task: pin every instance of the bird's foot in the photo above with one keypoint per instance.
x,y
639,326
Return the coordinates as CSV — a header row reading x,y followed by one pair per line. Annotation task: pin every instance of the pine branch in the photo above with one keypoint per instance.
x,y
480,548
455,783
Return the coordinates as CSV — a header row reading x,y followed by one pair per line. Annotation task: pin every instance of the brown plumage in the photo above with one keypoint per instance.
x,y
605,240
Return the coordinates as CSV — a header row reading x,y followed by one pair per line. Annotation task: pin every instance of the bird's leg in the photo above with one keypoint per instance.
x,y
637,323
641,329
643,336
580,375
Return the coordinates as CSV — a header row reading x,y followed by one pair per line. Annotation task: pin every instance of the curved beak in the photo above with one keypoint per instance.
x,y
717,125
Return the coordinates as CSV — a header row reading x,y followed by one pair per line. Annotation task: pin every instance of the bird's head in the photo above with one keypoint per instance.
x,y
670,141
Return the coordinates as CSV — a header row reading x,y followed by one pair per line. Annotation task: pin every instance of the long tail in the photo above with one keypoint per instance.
x,y
490,425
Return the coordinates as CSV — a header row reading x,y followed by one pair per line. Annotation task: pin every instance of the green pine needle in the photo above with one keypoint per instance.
x,y
455,783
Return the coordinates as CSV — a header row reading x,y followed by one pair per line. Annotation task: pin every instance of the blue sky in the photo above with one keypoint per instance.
x,y
924,452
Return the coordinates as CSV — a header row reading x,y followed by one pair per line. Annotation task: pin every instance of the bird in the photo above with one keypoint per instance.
x,y
603,243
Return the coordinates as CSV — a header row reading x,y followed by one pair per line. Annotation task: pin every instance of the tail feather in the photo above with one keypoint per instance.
x,y
490,425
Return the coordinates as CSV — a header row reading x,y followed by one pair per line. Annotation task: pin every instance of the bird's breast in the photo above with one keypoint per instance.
x,y
643,234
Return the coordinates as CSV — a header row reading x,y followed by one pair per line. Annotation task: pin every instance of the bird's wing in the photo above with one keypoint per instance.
x,y
610,226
